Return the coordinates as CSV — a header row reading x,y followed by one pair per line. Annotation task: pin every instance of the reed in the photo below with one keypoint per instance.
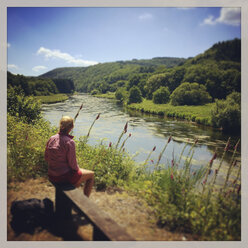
x,y
232,164
161,153
88,134
78,112
122,133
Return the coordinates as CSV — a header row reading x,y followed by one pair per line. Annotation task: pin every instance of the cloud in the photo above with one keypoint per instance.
x,y
228,16
39,68
145,16
57,54
12,66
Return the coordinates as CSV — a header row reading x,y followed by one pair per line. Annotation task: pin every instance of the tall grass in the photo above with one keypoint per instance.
x,y
182,198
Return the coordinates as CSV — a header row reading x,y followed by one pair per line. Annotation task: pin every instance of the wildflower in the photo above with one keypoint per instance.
x,y
125,127
98,116
154,148
110,144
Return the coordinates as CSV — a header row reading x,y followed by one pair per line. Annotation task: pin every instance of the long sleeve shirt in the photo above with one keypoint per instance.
x,y
60,154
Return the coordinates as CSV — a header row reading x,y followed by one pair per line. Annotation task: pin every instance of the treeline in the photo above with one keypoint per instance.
x,y
38,86
218,69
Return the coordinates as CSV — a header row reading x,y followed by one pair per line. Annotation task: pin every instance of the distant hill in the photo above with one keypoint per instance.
x,y
88,78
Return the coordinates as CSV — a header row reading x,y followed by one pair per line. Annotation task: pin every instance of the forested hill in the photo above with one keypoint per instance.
x,y
218,68
109,76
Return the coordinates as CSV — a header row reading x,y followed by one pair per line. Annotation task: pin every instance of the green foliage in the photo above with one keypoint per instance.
x,y
200,113
26,146
162,95
135,95
32,85
190,94
226,114
94,92
26,108
52,98
121,95
111,167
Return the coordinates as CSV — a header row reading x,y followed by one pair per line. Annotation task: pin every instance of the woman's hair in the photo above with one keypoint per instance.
x,y
65,124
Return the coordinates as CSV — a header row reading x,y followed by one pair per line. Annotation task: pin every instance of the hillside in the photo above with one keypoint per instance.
x,y
218,68
89,78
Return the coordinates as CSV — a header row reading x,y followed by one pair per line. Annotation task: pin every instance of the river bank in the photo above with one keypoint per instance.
x,y
55,98
128,211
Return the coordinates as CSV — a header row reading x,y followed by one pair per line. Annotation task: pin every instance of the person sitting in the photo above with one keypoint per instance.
x,y
60,155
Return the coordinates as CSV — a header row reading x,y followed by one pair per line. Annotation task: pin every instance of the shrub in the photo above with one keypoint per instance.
x,y
190,94
121,94
26,108
135,95
162,95
94,92
226,114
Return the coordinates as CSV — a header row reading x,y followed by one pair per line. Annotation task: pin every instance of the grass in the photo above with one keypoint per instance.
x,y
183,199
52,98
199,114
109,95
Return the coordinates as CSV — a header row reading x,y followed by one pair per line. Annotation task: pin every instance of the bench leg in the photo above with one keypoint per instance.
x,y
63,205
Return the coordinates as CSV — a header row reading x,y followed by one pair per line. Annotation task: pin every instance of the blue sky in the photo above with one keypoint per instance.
x,y
41,39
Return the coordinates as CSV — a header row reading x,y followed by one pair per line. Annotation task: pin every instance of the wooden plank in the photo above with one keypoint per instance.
x,y
101,220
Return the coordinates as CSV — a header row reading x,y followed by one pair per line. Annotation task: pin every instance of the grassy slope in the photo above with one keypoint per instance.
x,y
199,114
52,98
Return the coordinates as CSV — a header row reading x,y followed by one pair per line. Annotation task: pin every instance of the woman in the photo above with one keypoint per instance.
x,y
61,157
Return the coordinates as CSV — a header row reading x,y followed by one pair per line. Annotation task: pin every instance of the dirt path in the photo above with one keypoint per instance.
x,y
128,211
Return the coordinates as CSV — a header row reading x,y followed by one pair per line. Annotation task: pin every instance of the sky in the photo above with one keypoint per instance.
x,y
41,39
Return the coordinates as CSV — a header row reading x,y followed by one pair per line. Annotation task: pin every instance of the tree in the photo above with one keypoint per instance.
x,y
135,95
226,114
162,95
121,94
190,94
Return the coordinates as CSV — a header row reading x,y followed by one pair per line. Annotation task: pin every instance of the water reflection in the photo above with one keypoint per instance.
x,y
147,130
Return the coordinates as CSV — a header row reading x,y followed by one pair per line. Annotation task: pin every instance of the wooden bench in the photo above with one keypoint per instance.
x,y
104,228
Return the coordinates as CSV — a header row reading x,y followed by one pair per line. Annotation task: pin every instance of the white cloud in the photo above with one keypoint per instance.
x,y
12,66
57,54
145,16
39,68
229,16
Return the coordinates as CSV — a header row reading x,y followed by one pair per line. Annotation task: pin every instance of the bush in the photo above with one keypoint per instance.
x,y
121,94
190,94
26,108
226,114
94,92
162,95
135,95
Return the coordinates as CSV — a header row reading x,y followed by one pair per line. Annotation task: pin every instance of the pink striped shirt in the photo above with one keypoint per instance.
x,y
61,155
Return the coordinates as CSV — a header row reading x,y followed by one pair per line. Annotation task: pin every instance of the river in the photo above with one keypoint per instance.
x,y
146,131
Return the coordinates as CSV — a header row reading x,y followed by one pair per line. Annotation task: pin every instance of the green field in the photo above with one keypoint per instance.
x,y
200,114
52,98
